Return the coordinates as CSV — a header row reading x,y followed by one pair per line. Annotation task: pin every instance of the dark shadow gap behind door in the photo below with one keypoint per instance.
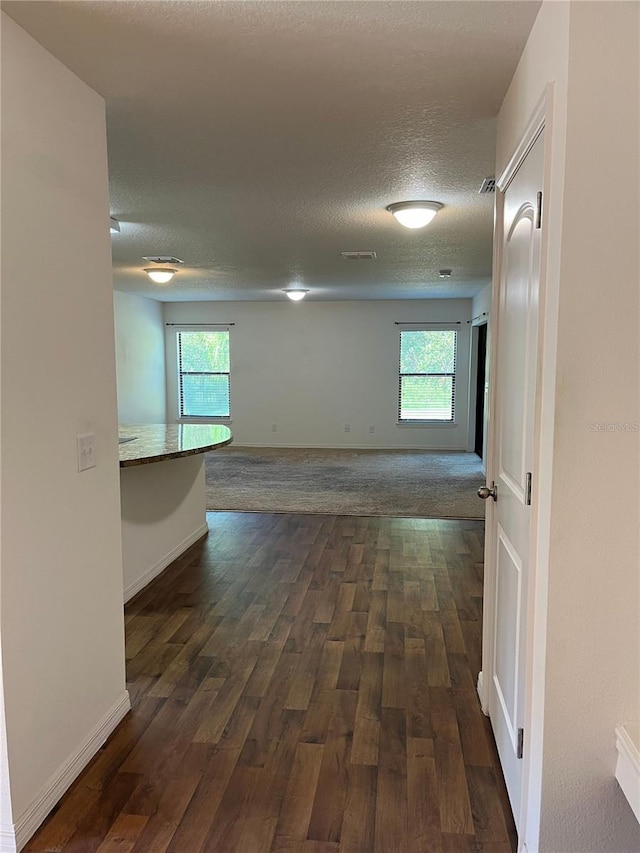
x,y
480,381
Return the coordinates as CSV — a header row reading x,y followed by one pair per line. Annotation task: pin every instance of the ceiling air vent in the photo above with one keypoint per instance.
x,y
162,259
488,186
358,256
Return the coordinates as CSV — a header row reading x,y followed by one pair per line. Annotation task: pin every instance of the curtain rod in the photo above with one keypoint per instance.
x,y
477,317
199,324
428,322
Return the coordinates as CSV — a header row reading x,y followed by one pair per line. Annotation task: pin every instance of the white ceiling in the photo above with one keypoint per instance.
x,y
259,140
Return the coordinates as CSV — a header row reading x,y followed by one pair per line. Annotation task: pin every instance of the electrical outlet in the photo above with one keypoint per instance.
x,y
347,427
86,451
372,429
274,427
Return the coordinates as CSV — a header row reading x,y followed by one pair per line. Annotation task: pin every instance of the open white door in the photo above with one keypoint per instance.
x,y
509,514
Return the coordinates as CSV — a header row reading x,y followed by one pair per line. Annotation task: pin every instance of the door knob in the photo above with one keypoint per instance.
x,y
491,491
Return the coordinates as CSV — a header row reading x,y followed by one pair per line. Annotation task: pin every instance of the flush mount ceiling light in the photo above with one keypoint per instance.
x,y
295,293
414,214
445,273
161,275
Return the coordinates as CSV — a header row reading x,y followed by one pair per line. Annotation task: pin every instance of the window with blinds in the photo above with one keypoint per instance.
x,y
204,374
427,375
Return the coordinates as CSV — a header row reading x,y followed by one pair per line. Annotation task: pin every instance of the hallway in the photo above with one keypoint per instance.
x,y
301,683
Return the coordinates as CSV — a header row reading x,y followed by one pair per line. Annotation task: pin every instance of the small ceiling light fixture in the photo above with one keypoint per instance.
x,y
161,275
358,256
295,293
414,214
445,273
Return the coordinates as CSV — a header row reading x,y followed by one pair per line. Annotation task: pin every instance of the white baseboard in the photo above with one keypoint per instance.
x,y
628,765
162,564
51,792
307,446
480,690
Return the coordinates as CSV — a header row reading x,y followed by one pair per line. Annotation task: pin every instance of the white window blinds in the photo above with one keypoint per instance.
x,y
427,375
204,374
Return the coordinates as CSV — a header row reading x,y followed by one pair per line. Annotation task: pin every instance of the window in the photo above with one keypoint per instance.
x,y
427,375
203,380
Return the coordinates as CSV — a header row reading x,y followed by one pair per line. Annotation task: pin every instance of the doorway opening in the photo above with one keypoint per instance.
x,y
481,362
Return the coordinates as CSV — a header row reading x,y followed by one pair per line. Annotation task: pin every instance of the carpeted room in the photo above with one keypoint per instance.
x,y
313,403
405,483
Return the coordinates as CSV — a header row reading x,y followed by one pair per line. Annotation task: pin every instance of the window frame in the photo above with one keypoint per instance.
x,y
181,418
429,422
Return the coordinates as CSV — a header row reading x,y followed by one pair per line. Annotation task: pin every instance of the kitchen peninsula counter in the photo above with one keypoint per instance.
x,y
141,444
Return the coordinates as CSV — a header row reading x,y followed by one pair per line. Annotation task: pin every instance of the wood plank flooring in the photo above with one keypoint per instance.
x,y
300,684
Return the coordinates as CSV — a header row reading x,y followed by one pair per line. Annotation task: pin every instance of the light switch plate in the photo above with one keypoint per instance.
x,y
86,450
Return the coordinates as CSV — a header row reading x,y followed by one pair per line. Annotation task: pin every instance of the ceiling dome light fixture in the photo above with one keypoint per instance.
x,y
414,214
295,293
161,275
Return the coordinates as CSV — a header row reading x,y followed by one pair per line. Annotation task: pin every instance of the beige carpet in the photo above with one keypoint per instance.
x,y
413,484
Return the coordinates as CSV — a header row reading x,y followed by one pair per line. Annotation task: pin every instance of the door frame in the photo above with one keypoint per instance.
x,y
537,589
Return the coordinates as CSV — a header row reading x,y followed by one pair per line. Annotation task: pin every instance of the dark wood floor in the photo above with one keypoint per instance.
x,y
301,683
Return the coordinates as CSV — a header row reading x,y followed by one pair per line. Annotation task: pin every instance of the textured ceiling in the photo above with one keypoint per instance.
x,y
259,140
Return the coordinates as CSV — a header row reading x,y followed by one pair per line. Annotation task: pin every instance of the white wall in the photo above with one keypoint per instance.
x,y
140,359
587,631
60,558
593,629
481,303
163,513
312,367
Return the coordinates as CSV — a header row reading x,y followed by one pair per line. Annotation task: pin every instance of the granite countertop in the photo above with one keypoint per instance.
x,y
144,443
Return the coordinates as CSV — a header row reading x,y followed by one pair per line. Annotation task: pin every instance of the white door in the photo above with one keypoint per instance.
x,y
509,517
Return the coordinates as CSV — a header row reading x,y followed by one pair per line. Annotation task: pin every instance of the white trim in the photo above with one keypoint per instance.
x,y
7,834
628,765
162,564
7,840
483,320
481,694
531,133
205,420
200,327
51,792
488,594
432,326
307,446
428,424
538,593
